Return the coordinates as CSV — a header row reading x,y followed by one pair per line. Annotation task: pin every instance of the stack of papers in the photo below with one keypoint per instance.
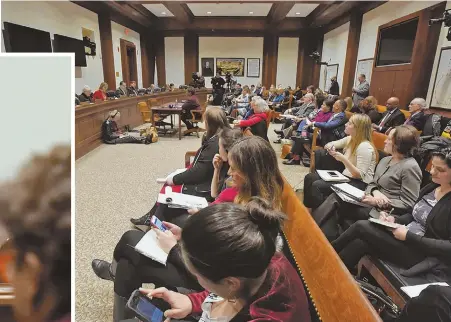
x,y
180,200
350,194
384,223
332,176
415,290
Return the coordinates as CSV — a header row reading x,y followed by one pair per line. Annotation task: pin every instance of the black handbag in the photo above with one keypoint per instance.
x,y
381,302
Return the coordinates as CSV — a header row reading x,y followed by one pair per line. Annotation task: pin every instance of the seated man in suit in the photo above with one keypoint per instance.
x,y
191,103
300,112
133,90
417,117
86,95
122,90
392,117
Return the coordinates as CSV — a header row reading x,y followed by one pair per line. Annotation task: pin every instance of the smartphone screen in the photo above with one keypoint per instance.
x,y
148,310
158,223
332,174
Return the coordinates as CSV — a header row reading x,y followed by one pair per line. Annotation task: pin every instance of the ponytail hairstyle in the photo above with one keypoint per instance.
x,y
256,161
36,210
230,240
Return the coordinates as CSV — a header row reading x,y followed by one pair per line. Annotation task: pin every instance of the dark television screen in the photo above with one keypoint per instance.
x,y
396,43
21,39
65,44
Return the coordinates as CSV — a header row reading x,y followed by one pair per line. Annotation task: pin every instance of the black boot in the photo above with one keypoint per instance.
x,y
144,220
120,310
102,269
289,156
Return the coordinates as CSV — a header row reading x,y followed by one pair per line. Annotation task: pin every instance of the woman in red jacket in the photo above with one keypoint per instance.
x,y
100,94
257,120
231,250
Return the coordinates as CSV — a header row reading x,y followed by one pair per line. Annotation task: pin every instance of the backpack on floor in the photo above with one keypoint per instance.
x,y
152,134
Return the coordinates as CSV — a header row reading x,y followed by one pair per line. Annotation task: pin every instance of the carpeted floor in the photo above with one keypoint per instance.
x,y
114,183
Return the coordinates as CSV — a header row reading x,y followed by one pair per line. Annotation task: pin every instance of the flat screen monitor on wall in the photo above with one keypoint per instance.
x,y
396,43
63,44
21,39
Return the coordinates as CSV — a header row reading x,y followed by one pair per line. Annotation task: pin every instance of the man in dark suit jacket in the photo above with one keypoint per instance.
x,y
122,90
417,117
133,90
392,116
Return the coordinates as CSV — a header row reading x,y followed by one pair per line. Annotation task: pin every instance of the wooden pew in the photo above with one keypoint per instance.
x,y
333,290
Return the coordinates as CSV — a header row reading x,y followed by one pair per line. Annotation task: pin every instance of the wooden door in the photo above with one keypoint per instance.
x,y
382,85
128,61
401,87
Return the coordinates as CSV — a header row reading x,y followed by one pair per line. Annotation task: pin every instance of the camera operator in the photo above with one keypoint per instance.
x,y
218,90
198,81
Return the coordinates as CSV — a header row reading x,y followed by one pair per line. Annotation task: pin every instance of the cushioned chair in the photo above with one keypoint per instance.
x,y
145,112
197,117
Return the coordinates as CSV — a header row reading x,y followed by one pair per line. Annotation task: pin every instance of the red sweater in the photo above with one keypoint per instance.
x,y
253,119
281,298
226,195
99,95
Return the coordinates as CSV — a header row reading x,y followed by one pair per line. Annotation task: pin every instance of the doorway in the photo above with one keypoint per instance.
x,y
128,60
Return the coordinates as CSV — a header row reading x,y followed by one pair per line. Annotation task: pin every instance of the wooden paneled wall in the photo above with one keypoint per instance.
x,y
269,67
191,45
106,41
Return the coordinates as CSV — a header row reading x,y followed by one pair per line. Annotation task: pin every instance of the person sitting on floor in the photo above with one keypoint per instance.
x,y
192,103
196,180
396,184
357,161
256,121
423,232
255,173
331,130
36,212
242,284
112,135
100,94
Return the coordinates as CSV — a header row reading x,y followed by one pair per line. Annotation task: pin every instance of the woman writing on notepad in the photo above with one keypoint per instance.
x,y
255,173
427,230
357,161
396,184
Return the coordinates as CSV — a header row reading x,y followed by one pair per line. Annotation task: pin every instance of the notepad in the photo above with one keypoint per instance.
x,y
348,199
148,246
332,176
350,191
415,290
180,200
384,223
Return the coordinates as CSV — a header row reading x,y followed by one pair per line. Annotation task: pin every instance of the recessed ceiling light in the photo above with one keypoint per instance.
x,y
251,12
298,13
163,13
208,12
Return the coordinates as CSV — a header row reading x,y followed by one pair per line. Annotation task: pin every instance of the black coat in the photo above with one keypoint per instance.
x,y
436,241
197,179
395,119
418,120
84,98
109,129
374,115
334,88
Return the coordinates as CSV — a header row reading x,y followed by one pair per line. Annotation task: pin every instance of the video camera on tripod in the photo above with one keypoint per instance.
x,y
446,19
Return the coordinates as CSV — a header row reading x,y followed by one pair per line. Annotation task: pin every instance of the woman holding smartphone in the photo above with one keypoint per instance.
x,y
254,170
250,283
357,161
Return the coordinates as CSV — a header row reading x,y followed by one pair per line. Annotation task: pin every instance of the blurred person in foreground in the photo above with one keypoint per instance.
x,y
35,208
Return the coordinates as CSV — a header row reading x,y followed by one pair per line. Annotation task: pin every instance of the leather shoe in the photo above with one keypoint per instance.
x,y
289,156
277,141
144,220
278,132
292,162
102,269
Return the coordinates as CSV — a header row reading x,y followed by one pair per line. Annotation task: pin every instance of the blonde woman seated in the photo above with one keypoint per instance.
x,y
357,161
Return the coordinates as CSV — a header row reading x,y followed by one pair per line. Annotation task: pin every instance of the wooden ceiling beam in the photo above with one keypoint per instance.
x,y
142,10
128,12
325,13
278,12
181,11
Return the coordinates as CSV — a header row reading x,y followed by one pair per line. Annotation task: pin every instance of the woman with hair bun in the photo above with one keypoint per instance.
x,y
231,250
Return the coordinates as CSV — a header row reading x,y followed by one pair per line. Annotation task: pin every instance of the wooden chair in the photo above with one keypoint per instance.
x,y
145,112
314,148
197,117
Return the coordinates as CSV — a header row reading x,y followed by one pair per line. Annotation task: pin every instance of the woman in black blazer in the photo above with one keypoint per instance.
x,y
196,180
428,230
